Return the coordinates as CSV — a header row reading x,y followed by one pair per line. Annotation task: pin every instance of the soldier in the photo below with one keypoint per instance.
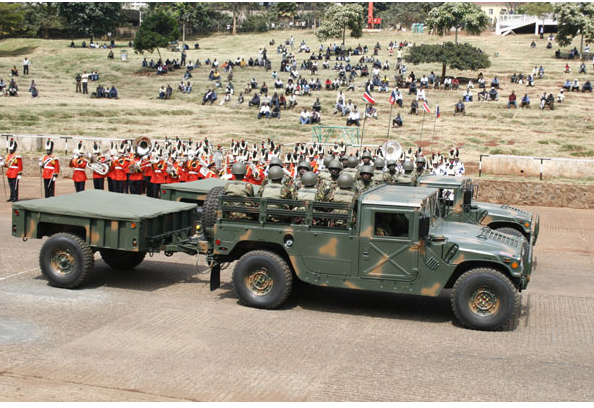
x,y
238,187
308,190
302,167
351,168
378,173
391,176
119,166
366,181
274,188
409,178
421,166
276,162
327,187
98,178
50,166
344,193
157,172
14,164
79,176
324,173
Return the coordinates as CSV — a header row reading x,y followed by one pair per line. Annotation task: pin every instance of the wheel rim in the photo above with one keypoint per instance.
x,y
259,281
484,301
62,262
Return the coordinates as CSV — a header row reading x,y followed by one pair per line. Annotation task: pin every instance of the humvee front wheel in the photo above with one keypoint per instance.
x,y
262,279
122,260
66,260
484,299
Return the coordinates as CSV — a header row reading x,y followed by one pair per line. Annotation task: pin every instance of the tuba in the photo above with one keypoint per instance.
x,y
392,150
142,146
97,166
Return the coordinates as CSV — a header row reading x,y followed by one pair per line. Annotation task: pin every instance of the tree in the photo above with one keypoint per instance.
x,y
92,19
405,14
10,18
157,30
456,56
41,18
574,19
461,16
340,17
286,11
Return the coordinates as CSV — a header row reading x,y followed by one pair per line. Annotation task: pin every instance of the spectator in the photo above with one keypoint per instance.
x,y
533,44
459,108
13,89
34,91
561,95
397,121
209,96
543,100
481,82
530,80
447,83
113,93
587,87
567,85
264,111
455,83
27,64
225,99
85,80
162,92
255,101
354,117
511,100
575,86
483,95
413,88
421,95
467,95
315,118
371,112
398,97
567,69
317,106
168,92
424,82
110,55
493,95
78,78
525,101
304,117
495,83
14,71
414,107
292,101
582,68
240,100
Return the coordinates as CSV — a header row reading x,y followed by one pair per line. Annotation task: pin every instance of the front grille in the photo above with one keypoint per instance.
x,y
505,239
509,207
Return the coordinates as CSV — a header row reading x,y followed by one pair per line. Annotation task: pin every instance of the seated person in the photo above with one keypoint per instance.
x,y
455,83
414,107
162,92
511,100
188,88
467,95
317,106
587,87
255,101
495,83
275,111
397,121
304,117
567,85
483,95
493,94
575,86
34,91
292,101
208,97
447,83
100,91
530,80
14,71
525,101
551,101
514,78
413,88
168,92
264,111
110,54
543,100
371,112
533,44
315,118
354,117
561,96
113,93
481,82
582,69
188,74
459,108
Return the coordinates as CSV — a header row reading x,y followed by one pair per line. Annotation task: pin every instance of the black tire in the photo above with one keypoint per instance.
x,y
122,260
262,279
210,207
66,260
515,232
484,299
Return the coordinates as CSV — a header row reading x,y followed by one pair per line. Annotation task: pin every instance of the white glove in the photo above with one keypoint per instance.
x,y
40,163
19,177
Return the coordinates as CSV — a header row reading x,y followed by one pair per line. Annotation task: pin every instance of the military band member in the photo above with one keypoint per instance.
x,y
136,175
79,176
50,167
118,176
14,165
157,178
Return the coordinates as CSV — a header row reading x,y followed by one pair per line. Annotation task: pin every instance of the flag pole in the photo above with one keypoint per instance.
x,y
434,123
390,121
363,130
422,123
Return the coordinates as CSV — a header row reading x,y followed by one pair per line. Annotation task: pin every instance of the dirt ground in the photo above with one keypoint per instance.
x,y
157,334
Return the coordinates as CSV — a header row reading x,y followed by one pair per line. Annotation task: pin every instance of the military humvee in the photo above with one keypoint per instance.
x,y
392,240
456,194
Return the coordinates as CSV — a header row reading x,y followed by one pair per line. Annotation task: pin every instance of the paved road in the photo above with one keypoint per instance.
x,y
158,333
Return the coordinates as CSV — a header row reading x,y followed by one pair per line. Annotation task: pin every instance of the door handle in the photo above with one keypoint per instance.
x,y
366,253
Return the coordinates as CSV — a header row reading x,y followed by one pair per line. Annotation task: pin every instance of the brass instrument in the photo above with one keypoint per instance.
x,y
97,166
392,150
142,146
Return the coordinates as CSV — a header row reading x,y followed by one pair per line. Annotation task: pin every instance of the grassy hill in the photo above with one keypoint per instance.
x,y
486,128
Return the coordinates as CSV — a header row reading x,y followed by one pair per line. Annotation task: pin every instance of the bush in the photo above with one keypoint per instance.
x,y
253,23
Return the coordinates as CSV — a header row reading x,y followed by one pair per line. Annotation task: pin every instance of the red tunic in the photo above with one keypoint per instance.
x,y
51,166
193,171
158,176
14,164
100,159
119,167
79,164
135,176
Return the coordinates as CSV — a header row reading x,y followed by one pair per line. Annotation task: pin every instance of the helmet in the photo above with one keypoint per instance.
x,y
365,154
275,161
379,163
304,164
421,159
239,169
309,179
366,169
391,162
276,173
352,162
345,180
408,166
335,164
327,160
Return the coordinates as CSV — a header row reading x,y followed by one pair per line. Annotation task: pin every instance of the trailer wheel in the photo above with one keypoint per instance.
x,y
66,260
210,207
484,299
262,279
122,260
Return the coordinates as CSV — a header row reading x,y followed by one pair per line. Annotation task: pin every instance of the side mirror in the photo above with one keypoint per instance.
x,y
424,224
467,197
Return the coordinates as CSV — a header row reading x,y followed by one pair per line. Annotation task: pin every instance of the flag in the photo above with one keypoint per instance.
x,y
426,107
393,98
437,114
368,98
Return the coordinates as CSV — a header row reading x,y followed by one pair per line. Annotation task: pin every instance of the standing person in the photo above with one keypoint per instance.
x,y
79,176
157,178
26,65
85,80
78,80
50,166
14,164
98,178
136,176
119,167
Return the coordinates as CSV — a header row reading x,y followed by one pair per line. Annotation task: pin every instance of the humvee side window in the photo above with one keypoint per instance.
x,y
390,225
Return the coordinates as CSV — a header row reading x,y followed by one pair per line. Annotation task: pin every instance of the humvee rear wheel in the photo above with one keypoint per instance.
x,y
262,279
122,260
66,260
484,299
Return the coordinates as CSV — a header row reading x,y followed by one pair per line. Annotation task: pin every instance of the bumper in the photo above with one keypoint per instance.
x,y
529,264
535,228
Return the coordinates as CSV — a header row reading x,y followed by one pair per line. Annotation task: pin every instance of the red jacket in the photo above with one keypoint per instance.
x,y
193,171
51,166
158,176
119,167
138,175
100,159
14,164
79,164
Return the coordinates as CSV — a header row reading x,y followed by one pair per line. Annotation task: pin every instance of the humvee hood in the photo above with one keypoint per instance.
x,y
477,238
500,210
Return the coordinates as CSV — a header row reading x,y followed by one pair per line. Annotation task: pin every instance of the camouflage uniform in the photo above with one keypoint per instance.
x,y
390,178
407,179
378,176
361,187
238,188
342,195
326,190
